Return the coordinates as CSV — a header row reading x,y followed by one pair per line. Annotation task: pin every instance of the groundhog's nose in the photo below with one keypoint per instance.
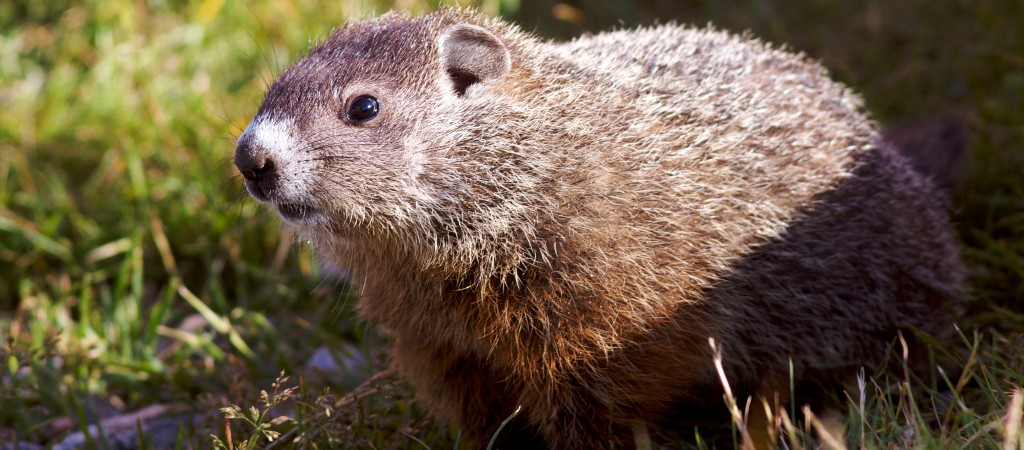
x,y
257,168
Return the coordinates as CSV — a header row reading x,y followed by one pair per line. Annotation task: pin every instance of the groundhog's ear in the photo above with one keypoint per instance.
x,y
471,55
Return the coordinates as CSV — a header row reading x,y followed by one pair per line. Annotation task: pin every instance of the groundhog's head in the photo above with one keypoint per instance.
x,y
389,129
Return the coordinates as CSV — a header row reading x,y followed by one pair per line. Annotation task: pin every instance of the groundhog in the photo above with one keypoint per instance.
x,y
560,228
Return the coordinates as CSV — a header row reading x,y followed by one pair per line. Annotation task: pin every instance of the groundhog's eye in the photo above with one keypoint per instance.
x,y
363,108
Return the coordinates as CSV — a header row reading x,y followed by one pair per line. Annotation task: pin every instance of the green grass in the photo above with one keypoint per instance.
x,y
134,271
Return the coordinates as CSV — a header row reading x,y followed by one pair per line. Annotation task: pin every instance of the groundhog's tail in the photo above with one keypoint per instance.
x,y
936,147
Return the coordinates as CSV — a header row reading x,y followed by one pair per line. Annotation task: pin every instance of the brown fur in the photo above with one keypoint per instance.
x,y
567,233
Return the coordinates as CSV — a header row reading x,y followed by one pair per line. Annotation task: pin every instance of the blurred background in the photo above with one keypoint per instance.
x,y
135,271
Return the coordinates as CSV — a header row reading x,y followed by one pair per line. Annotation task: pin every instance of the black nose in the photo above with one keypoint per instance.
x,y
257,167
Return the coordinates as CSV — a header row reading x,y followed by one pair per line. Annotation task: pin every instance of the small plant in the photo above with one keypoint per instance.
x,y
258,419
